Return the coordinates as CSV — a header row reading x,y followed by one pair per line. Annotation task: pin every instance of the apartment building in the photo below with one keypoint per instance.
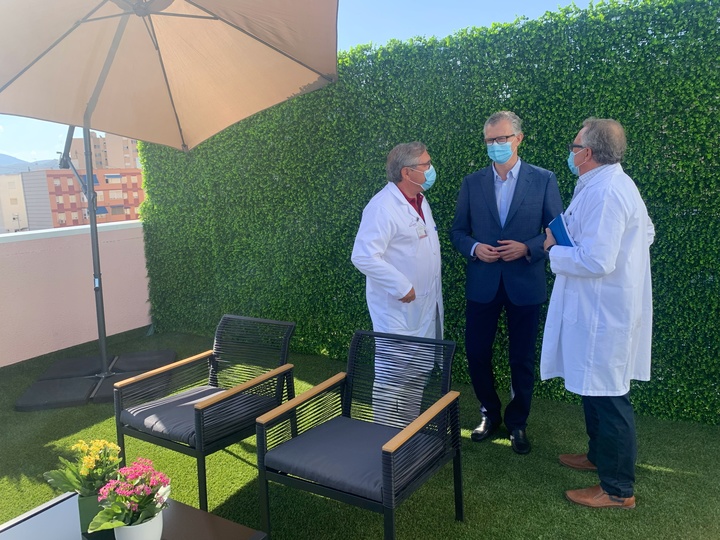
x,y
54,198
46,199
13,217
108,152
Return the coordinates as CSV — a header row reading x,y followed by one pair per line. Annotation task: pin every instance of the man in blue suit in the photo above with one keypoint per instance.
x,y
501,213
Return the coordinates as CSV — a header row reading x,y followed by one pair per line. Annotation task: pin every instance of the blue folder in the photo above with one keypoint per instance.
x,y
560,232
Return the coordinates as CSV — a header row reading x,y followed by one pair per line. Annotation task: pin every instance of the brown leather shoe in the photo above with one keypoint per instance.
x,y
595,497
577,461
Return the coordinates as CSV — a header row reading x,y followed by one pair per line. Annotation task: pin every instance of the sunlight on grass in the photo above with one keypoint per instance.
x,y
656,468
62,445
499,440
33,441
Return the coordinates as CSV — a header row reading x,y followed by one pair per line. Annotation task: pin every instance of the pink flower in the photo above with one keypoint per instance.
x,y
137,489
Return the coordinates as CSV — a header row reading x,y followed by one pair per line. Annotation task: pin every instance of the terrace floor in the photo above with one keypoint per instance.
x,y
506,495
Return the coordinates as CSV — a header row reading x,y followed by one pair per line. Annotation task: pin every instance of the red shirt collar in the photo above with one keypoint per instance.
x,y
416,203
414,200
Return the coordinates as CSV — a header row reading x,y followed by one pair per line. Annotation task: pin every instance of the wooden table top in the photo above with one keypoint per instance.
x,y
183,522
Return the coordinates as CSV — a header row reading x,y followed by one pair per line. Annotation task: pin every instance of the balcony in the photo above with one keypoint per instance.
x,y
46,291
49,314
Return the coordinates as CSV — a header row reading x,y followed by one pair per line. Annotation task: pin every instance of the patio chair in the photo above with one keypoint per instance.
x,y
205,403
369,437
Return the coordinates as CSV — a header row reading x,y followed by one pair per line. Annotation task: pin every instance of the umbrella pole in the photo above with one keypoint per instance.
x,y
97,276
76,381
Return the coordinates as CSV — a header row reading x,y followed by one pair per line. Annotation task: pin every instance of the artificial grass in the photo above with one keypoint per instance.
x,y
507,496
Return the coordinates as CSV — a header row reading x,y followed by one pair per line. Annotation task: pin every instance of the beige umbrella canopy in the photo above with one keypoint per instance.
x,y
172,72
164,71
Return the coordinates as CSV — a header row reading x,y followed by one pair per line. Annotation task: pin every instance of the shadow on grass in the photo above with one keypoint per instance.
x,y
51,432
507,496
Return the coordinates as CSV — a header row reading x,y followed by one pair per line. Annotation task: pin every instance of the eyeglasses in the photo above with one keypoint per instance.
x,y
426,164
571,146
500,140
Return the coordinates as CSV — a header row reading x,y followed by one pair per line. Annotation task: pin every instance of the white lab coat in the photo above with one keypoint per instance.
x,y
599,323
394,259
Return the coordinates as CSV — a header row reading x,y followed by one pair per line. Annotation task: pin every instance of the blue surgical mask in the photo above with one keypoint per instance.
x,y
575,169
500,152
430,176
571,164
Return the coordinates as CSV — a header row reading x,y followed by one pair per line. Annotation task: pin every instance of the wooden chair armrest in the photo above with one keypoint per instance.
x,y
302,398
421,421
169,367
243,387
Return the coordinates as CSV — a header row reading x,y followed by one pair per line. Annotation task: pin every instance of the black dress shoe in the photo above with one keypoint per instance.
x,y
519,441
484,429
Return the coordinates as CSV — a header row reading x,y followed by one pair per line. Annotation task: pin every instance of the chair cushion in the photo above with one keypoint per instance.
x,y
171,418
342,453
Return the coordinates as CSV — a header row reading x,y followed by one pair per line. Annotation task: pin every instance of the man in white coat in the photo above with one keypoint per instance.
x,y
599,322
398,249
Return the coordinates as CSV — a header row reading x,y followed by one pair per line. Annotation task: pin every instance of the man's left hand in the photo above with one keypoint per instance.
x,y
510,250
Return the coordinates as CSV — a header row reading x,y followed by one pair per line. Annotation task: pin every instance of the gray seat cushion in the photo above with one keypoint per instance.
x,y
172,417
342,453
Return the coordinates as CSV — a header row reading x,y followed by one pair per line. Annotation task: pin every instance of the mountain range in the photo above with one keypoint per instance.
x,y
11,165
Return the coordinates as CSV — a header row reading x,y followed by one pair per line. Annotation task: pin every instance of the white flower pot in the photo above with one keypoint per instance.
x,y
148,530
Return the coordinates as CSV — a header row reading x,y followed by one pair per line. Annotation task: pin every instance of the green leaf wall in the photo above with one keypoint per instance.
x,y
260,220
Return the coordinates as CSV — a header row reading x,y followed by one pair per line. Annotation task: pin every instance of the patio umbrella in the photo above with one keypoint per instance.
x,y
172,72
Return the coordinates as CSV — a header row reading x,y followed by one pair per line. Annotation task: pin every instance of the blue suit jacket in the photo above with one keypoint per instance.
x,y
535,203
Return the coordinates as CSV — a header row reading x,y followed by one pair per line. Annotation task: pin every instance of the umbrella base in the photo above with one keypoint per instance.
x,y
70,382
56,393
71,368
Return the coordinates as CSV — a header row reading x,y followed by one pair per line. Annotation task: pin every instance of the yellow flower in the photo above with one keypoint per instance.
x,y
80,446
88,464
96,457
96,463
98,445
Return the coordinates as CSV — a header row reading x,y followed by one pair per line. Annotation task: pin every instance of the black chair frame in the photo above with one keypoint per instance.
x,y
336,393
210,434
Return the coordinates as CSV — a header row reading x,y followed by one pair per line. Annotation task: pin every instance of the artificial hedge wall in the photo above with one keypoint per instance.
x,y
260,219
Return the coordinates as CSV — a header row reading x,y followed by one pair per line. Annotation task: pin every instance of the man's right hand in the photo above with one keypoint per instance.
x,y
409,297
486,253
549,240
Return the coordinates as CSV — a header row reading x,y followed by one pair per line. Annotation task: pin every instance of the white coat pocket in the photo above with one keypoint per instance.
x,y
417,313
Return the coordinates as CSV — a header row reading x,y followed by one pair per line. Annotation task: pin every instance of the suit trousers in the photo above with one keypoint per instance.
x,y
481,321
610,425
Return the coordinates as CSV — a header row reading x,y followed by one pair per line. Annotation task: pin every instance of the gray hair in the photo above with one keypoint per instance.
x,y
505,115
606,138
403,155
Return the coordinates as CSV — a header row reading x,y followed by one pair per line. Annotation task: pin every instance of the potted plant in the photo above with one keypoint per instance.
x,y
96,463
132,503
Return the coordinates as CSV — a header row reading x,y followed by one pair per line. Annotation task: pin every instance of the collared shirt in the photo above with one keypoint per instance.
x,y
505,189
585,178
416,203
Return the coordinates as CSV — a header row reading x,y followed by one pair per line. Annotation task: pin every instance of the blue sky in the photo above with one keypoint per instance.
x,y
359,22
